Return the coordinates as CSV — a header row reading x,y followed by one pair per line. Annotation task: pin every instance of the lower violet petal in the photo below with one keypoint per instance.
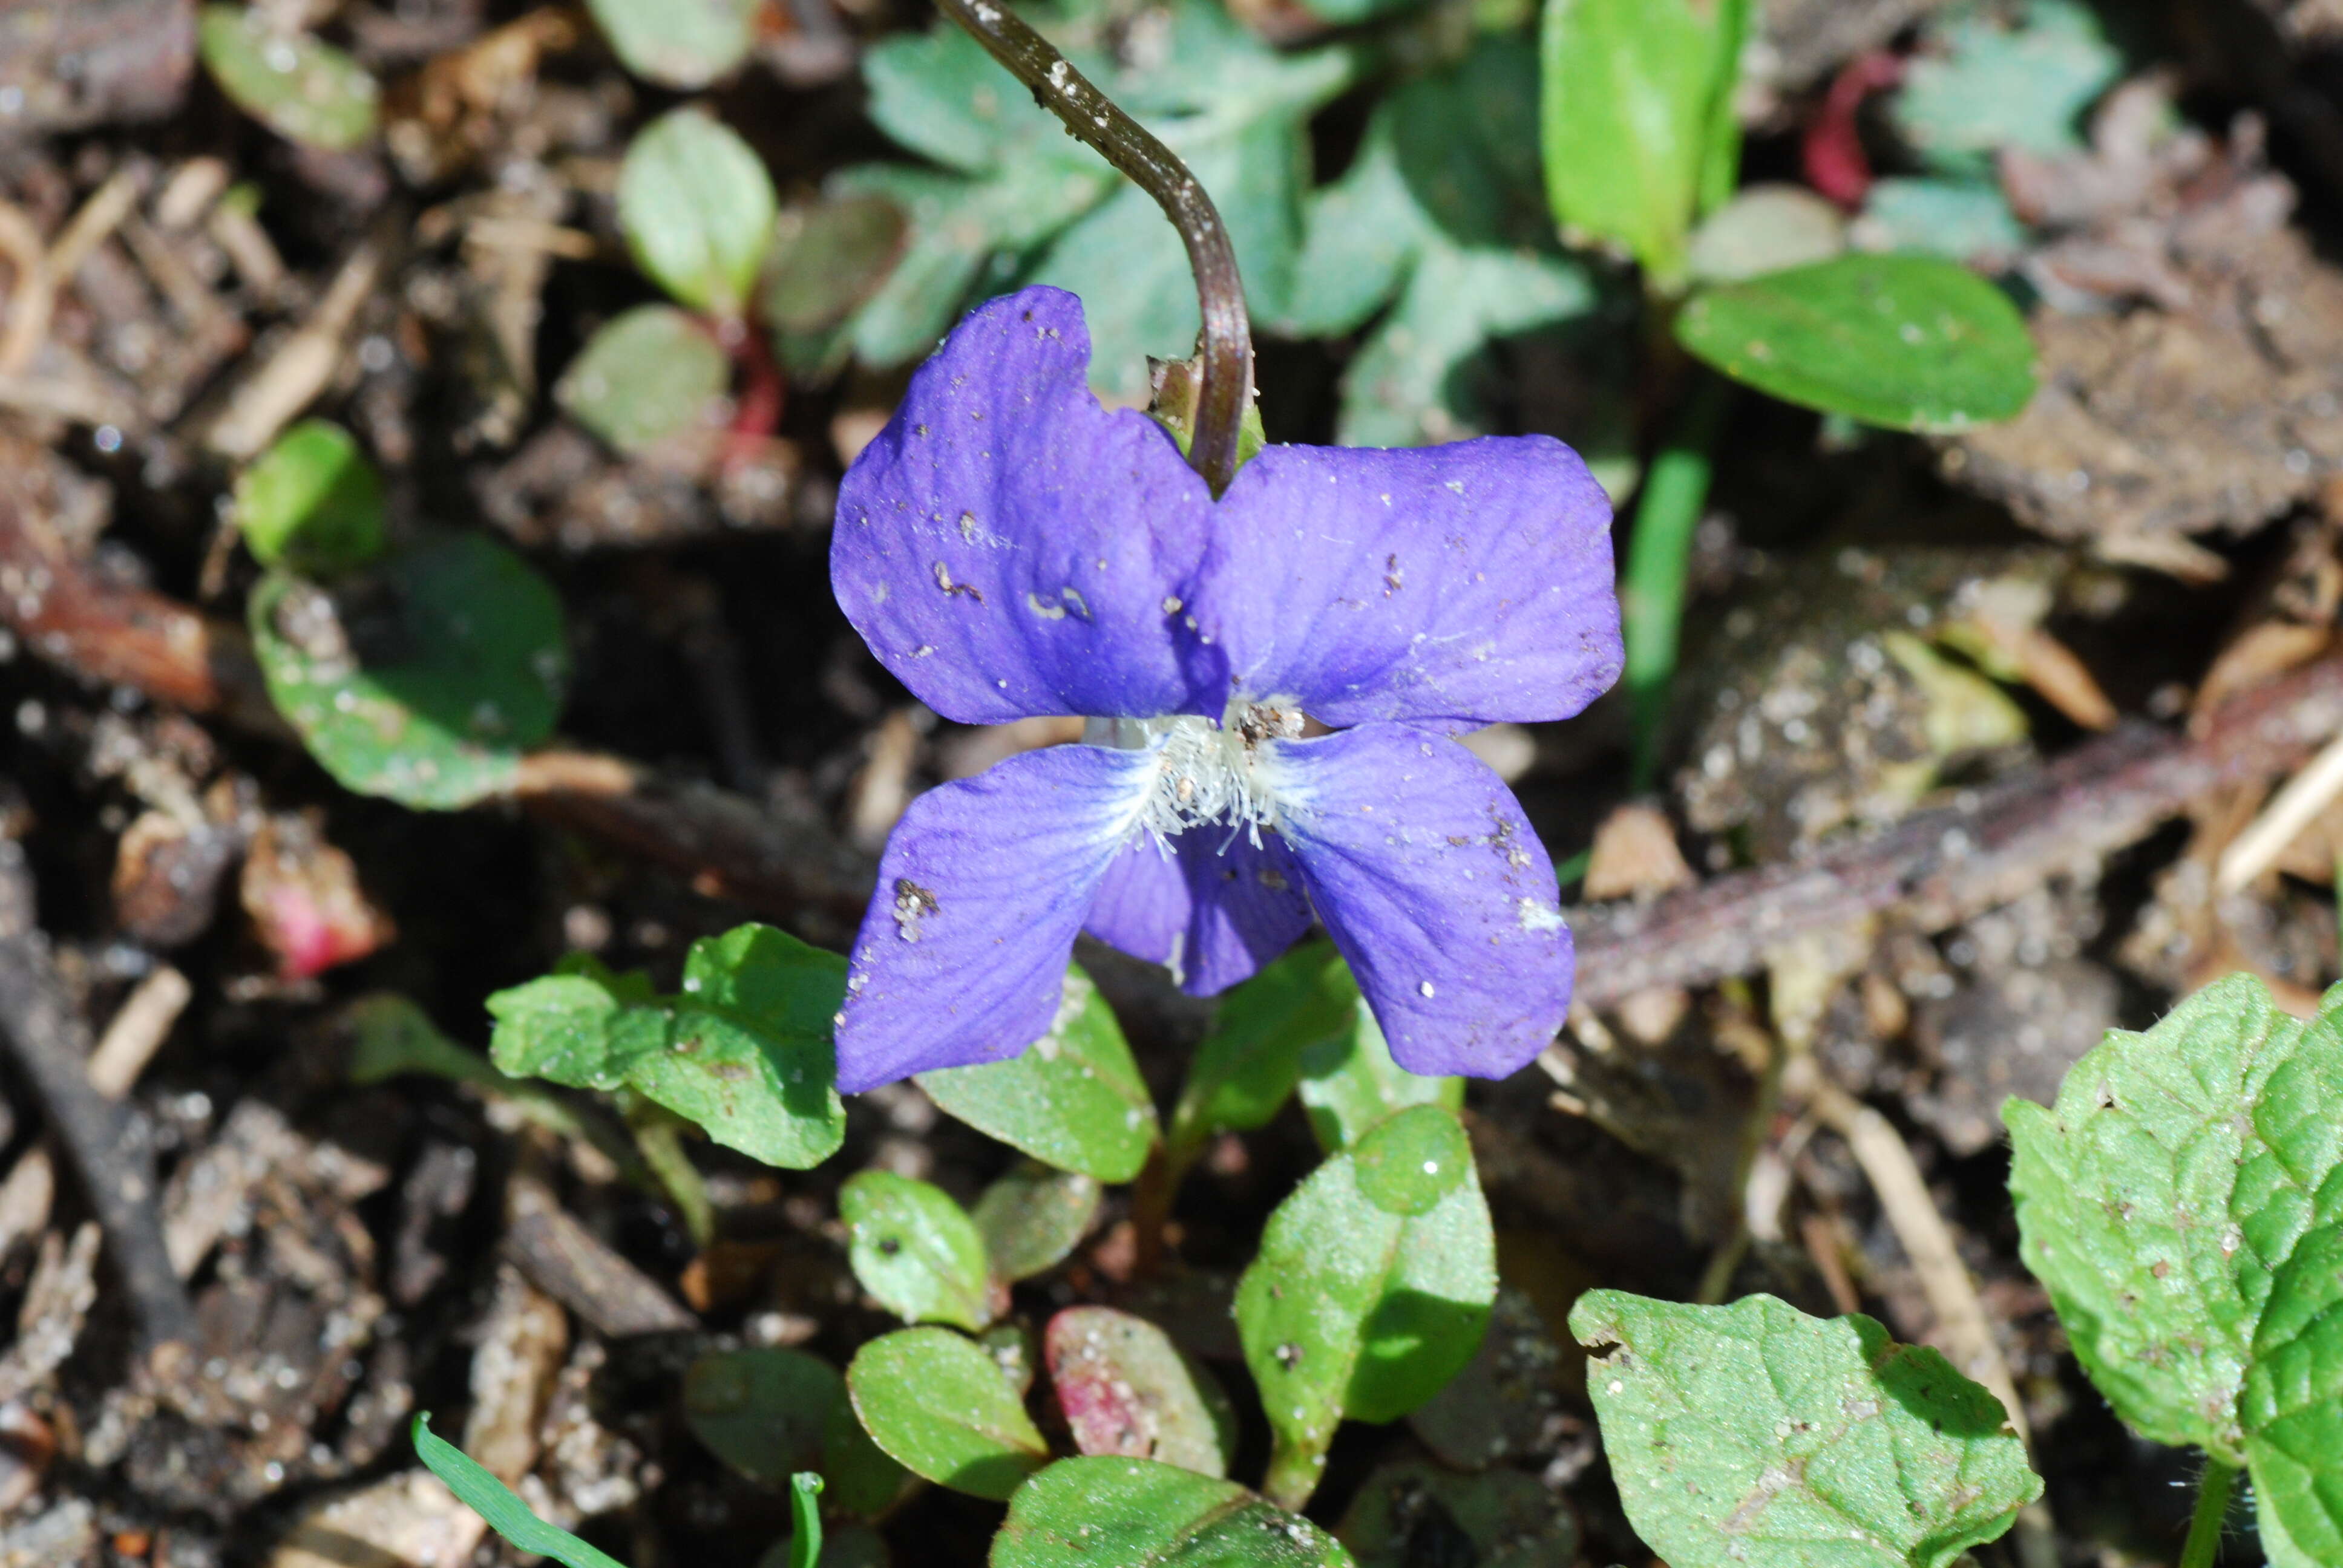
x,y
963,955
1208,905
1431,882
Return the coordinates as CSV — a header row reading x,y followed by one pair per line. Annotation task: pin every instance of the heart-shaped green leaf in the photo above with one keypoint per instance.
x,y
744,1052
1750,1434
303,90
2184,1203
650,373
2293,1407
1137,1513
939,1405
1907,342
915,1250
311,502
1126,1389
1365,1298
1637,121
423,681
1033,1216
684,43
764,1411
1072,1098
698,209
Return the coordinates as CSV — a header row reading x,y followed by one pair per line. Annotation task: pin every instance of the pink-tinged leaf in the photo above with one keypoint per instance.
x,y
305,900
1127,1389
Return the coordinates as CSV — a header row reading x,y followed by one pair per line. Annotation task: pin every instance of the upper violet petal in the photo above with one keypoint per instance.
x,y
1433,886
1209,904
1453,584
962,954
1010,548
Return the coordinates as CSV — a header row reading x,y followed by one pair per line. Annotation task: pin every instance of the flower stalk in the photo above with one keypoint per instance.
x,y
1225,345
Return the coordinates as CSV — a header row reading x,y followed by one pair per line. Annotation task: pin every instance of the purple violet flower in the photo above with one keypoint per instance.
x,y
1010,548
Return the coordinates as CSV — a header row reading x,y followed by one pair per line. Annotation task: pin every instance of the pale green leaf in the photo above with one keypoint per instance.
x,y
939,1405
683,44
1636,107
1366,1298
305,90
1139,1513
311,502
423,679
1033,1216
1072,1098
1908,342
698,209
1756,1436
915,1250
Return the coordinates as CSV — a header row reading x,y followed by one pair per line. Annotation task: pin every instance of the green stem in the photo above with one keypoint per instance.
x,y
658,1134
1651,596
2212,1510
805,1547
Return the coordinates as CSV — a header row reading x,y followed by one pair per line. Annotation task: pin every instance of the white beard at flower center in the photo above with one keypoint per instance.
x,y
1207,774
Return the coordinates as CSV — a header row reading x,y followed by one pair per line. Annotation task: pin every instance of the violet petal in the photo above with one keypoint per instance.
x,y
1452,584
1432,883
962,955
1213,909
1007,546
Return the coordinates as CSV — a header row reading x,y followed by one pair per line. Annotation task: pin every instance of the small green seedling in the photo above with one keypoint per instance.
x,y
2184,1203
697,210
1754,1435
680,44
916,1250
423,679
305,90
311,503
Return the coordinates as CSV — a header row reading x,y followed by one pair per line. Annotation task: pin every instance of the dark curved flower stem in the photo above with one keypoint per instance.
x,y
1092,118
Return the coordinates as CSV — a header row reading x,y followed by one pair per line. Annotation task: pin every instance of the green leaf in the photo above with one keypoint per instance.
x,y
1247,1066
1766,228
1505,1518
493,1501
684,43
1350,1084
1637,121
423,681
1234,108
915,1250
1908,342
1137,1513
1126,1389
1749,1434
939,1405
303,90
2292,1406
1963,220
1982,85
1365,1298
1073,1098
828,259
311,502
2168,1189
649,373
744,1052
764,1411
1033,1216
861,1476
698,209
1442,206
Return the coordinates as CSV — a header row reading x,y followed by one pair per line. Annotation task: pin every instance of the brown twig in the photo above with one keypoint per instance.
x,y
1940,866
107,1146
